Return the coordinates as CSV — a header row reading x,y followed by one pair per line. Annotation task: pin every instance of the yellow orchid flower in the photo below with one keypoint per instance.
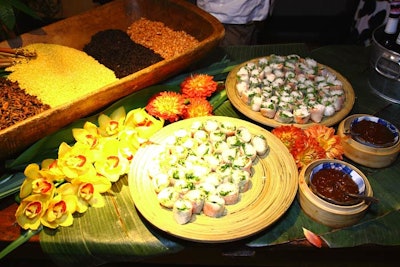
x,y
59,212
88,135
145,124
51,171
112,164
76,160
35,182
110,126
86,190
129,143
30,211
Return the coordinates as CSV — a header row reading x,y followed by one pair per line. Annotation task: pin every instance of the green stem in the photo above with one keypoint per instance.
x,y
19,241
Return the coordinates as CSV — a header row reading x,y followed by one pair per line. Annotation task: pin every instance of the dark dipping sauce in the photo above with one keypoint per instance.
x,y
334,184
372,132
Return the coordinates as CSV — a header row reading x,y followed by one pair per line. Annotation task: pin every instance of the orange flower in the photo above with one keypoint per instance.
x,y
288,134
327,139
306,151
199,85
197,107
316,142
166,105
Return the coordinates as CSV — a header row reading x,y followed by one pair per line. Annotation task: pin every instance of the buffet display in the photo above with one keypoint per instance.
x,y
194,175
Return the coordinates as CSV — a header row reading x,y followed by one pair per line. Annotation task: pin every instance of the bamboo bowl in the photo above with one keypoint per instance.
x,y
366,155
332,215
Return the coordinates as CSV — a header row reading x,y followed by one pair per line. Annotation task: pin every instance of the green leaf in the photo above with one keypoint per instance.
x,y
10,183
379,231
17,4
7,15
379,226
102,235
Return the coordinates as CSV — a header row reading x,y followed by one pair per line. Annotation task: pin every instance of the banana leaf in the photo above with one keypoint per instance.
x,y
379,226
117,233
113,233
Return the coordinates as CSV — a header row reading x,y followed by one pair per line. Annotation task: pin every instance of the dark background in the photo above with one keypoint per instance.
x,y
316,22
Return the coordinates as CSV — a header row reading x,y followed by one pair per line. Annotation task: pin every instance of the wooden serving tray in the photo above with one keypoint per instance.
x,y
77,31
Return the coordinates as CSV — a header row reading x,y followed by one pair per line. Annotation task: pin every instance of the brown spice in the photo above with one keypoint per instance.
x,y
160,38
16,105
115,50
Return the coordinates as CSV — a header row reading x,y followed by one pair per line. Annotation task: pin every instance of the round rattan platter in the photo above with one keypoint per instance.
x,y
246,110
273,188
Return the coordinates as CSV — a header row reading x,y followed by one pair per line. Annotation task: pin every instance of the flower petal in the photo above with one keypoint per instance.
x,y
314,239
199,85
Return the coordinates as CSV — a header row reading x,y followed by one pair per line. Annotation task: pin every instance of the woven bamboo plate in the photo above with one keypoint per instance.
x,y
256,116
273,189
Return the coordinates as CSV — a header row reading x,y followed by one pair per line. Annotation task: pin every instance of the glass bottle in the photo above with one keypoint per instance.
x,y
389,36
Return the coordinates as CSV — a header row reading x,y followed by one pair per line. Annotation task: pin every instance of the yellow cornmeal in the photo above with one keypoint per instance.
x,y
60,74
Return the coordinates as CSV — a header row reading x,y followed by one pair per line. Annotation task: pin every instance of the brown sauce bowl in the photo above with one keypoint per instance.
x,y
368,154
325,212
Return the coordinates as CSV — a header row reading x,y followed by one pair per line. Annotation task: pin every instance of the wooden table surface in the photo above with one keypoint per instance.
x,y
353,63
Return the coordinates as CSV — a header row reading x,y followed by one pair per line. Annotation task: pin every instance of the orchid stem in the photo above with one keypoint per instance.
x,y
19,241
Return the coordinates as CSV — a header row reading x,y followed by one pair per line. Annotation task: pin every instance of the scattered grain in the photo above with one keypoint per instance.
x,y
160,38
60,74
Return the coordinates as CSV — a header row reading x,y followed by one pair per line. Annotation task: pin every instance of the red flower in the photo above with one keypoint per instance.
x,y
197,107
306,151
327,139
288,134
169,106
199,85
316,142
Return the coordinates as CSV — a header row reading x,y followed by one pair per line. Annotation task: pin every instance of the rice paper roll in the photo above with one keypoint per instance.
x,y
167,197
196,198
241,179
229,192
160,181
214,206
182,211
301,115
261,144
